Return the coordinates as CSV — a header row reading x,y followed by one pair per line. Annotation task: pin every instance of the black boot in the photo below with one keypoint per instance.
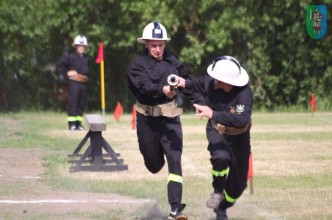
x,y
221,214
79,126
72,125
177,214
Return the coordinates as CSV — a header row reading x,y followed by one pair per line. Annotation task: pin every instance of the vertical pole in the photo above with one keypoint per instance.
x,y
102,85
251,184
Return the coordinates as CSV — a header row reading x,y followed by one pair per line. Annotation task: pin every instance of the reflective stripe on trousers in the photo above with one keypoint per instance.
x,y
216,173
228,198
174,178
74,118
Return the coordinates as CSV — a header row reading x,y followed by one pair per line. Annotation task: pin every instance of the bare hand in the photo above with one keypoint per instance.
x,y
203,111
182,82
197,112
72,73
168,92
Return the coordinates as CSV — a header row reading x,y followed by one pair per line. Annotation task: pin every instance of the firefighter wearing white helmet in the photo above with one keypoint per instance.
x,y
80,40
159,128
153,31
228,108
75,66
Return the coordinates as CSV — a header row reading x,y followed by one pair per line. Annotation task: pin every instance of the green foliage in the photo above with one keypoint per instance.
x,y
267,37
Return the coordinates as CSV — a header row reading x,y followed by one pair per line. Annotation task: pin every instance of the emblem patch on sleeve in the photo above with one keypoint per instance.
x,y
240,109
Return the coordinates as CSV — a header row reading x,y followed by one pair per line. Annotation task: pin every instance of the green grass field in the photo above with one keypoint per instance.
x,y
292,157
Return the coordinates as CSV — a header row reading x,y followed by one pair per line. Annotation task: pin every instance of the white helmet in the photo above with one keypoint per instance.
x,y
153,31
80,40
227,69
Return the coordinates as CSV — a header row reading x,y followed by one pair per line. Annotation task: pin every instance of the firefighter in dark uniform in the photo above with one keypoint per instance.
x,y
159,129
75,67
229,109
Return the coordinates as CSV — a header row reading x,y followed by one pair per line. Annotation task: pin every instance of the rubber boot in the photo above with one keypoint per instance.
x,y
79,126
72,125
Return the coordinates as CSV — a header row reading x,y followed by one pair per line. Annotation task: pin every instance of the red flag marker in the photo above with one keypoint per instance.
x,y
133,118
100,59
100,53
118,111
313,102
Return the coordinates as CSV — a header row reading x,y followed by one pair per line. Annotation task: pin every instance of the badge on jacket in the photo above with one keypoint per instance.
x,y
239,109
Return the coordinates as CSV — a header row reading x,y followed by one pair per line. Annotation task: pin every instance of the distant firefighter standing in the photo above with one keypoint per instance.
x,y
75,67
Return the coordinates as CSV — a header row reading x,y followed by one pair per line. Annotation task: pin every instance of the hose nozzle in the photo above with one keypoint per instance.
x,y
173,80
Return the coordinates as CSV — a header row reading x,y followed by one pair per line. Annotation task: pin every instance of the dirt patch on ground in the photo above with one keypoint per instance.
x,y
30,196
24,164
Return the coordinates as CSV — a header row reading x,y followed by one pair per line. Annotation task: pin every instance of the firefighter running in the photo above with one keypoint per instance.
x,y
159,129
75,67
230,102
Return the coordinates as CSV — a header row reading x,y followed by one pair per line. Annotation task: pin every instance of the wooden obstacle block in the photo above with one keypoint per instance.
x,y
95,123
93,158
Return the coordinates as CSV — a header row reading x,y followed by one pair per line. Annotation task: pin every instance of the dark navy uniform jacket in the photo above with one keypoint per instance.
x,y
73,61
147,76
231,108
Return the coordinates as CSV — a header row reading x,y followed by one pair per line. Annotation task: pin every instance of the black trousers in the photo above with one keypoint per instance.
x,y
232,152
161,137
76,98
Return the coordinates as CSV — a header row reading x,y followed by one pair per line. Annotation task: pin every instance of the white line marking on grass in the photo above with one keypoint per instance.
x,y
28,177
67,201
25,177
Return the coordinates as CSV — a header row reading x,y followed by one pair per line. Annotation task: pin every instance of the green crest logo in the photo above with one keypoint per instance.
x,y
316,20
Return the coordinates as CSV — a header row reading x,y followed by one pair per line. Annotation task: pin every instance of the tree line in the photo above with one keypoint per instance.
x,y
269,39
